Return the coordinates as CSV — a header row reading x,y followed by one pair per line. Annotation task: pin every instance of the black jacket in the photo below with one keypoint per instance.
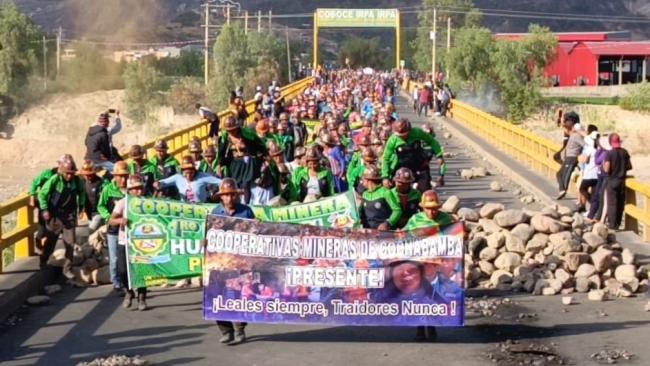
x,y
98,147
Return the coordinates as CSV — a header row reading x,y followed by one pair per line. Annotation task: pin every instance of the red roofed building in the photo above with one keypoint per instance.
x,y
595,58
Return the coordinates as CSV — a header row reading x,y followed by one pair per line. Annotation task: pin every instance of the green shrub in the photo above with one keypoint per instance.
x,y
185,94
637,99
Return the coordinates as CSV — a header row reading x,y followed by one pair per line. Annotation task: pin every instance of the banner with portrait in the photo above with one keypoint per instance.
x,y
285,273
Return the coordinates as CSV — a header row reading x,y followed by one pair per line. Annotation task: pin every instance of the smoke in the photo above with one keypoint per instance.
x,y
487,99
116,20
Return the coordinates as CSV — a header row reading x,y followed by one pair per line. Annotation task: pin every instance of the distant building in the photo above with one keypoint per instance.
x,y
135,55
595,58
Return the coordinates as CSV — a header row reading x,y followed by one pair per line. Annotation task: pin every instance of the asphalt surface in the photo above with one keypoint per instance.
x,y
84,324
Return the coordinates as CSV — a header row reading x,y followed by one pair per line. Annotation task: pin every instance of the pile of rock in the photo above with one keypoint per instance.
x,y
545,253
90,260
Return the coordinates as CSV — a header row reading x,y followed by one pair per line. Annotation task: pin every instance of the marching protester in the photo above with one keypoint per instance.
x,y
135,187
232,333
93,185
380,208
192,186
409,198
616,165
569,152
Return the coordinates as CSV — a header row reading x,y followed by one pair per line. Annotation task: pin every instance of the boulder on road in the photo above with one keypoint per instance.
x,y
490,209
451,205
510,218
507,261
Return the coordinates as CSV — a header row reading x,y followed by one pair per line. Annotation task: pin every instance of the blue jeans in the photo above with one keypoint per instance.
x,y
106,165
112,260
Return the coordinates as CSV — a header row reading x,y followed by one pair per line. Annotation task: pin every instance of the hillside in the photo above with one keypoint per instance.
x,y
156,20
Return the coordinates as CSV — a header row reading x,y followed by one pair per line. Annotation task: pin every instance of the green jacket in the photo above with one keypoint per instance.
x,y
378,194
110,194
38,182
169,167
420,220
254,144
410,207
49,194
210,169
354,174
300,178
389,159
147,168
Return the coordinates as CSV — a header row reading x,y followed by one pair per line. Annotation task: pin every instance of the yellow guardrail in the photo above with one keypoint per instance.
x,y
18,210
537,153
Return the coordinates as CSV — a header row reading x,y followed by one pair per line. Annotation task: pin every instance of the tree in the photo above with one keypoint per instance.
x,y
469,59
17,49
142,83
464,15
189,63
363,52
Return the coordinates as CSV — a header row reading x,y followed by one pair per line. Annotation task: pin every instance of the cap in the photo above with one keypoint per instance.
x,y
615,141
404,175
120,168
231,123
161,145
88,168
402,127
195,147
430,199
136,152
371,172
228,186
134,181
188,163
68,167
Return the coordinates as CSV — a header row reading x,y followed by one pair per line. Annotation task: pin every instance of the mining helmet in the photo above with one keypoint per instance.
x,y
210,151
134,181
231,123
161,145
402,127
88,168
136,152
195,147
67,166
404,175
120,168
312,155
371,172
228,186
188,163
430,199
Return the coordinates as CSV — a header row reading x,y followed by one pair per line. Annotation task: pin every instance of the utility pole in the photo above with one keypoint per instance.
x,y
448,46
259,21
246,22
270,21
205,46
289,57
433,49
44,64
228,14
59,35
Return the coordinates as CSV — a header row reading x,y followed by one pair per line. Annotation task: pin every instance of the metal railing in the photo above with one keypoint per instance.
x,y
19,211
537,153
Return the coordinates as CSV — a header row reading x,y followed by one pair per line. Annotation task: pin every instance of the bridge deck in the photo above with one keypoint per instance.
x,y
83,324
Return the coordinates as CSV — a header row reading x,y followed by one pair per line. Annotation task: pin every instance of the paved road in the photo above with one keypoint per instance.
x,y
83,324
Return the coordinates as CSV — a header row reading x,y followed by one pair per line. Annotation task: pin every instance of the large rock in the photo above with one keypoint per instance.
x,y
601,230
451,205
628,257
489,226
585,270
479,172
38,300
490,209
578,221
613,286
523,232
57,258
466,174
52,289
507,261
496,240
582,284
475,246
573,260
595,281
514,244
625,273
546,225
564,211
101,276
602,259
496,186
555,284
486,267
468,214
563,276
535,246
593,240
488,254
500,276
510,218
597,295
563,242
550,212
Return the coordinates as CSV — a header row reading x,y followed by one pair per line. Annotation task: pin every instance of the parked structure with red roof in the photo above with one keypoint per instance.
x,y
595,58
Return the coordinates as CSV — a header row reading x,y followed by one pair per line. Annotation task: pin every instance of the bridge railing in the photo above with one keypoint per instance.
x,y
537,153
22,218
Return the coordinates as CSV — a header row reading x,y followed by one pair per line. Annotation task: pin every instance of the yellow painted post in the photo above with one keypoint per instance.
x,y
398,40
315,66
646,229
630,222
24,247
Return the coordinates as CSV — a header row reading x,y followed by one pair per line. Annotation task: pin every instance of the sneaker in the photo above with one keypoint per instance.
x,y
226,338
142,305
560,195
128,299
240,337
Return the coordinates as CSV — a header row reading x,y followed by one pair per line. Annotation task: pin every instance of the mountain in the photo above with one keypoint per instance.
x,y
166,20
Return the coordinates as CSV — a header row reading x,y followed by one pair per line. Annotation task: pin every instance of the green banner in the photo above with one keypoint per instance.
x,y
362,18
165,240
166,237
339,211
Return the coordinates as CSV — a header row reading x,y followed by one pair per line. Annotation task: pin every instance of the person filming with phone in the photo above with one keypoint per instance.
x,y
99,143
